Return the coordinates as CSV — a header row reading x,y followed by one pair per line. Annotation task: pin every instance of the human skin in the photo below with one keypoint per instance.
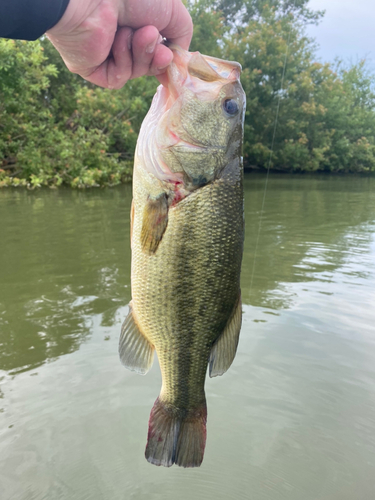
x,y
109,42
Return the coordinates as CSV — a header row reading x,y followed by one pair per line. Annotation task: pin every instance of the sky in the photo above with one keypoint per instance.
x,y
347,30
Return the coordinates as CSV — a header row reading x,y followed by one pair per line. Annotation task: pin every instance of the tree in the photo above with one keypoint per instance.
x,y
238,13
325,117
56,128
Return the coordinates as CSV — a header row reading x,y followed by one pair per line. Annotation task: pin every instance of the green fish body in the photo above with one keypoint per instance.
x,y
187,243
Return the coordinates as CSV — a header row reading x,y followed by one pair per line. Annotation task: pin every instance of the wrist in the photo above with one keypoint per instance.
x,y
60,26
76,13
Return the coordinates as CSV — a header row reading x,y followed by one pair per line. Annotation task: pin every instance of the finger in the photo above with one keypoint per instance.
x,y
162,59
143,49
170,17
117,69
120,66
179,30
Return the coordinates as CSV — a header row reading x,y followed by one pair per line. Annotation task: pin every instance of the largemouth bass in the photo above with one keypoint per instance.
x,y
187,233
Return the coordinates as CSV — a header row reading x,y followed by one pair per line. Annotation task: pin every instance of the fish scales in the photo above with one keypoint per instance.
x,y
184,294
187,233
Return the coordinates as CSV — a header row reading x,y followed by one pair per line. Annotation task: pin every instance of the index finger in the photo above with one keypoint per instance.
x,y
180,27
170,18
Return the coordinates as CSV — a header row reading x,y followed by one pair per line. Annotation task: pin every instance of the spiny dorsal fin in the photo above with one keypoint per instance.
x,y
224,350
154,224
136,352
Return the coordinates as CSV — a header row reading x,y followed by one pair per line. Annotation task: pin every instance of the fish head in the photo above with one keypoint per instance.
x,y
195,125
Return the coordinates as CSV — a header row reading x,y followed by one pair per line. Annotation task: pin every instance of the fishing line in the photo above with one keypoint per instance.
x,y
270,158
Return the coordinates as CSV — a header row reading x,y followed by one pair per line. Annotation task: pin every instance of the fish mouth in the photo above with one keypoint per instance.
x,y
201,75
187,66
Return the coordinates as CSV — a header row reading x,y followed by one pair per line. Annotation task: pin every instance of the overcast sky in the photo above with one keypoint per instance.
x,y
347,29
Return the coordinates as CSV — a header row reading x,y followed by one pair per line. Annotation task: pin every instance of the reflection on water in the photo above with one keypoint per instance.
x,y
64,258
294,418
310,228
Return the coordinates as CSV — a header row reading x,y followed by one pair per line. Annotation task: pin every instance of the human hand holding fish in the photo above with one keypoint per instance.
x,y
109,42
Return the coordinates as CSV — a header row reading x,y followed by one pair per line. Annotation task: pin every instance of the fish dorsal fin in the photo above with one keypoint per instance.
x,y
154,224
136,352
224,349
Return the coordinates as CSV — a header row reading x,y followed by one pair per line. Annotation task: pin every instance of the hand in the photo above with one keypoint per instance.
x,y
109,42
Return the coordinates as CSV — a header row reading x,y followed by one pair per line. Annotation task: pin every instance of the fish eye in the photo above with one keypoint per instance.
x,y
230,107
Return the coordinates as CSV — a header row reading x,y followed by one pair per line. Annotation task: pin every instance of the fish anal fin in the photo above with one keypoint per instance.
x,y
176,437
154,223
224,349
136,352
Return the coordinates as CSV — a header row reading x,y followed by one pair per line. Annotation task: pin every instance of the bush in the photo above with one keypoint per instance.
x,y
56,129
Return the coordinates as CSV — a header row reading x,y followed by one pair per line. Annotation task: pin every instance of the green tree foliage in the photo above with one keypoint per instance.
x,y
55,128
325,115
238,13
209,27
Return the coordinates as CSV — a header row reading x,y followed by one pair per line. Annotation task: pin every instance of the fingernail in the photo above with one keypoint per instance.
x,y
164,68
150,48
159,71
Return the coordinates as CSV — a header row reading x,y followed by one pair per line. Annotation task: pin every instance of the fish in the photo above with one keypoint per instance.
x,y
187,234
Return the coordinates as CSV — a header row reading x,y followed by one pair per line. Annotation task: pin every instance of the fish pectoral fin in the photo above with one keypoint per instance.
x,y
154,224
136,352
224,349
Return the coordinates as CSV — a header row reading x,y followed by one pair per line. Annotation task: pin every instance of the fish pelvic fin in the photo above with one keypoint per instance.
x,y
224,349
154,224
176,436
136,352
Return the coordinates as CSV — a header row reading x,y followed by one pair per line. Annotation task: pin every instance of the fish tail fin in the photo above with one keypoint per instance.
x,y
176,436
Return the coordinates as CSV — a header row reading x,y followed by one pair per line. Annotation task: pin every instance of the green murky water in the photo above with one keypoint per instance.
x,y
293,419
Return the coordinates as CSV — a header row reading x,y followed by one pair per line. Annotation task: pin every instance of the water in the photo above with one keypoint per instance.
x,y
294,417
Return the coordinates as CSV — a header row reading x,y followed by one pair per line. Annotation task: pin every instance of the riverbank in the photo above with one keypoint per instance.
x,y
100,179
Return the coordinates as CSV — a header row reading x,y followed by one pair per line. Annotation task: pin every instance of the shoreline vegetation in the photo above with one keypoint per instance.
x,y
57,129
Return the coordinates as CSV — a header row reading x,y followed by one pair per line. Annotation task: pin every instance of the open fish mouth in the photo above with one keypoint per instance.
x,y
202,75
189,70
190,125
